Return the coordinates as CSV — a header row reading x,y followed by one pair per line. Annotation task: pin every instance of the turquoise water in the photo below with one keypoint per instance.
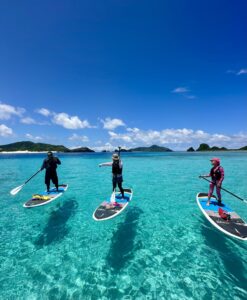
x,y
161,247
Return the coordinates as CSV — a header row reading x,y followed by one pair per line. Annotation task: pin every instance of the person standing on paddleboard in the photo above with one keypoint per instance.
x,y
217,177
117,170
50,165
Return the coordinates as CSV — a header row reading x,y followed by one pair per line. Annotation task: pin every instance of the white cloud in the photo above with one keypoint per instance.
x,y
180,90
7,111
5,131
81,138
70,122
63,119
111,124
133,129
31,121
175,137
184,91
44,112
123,137
106,146
33,138
242,71
190,97
28,121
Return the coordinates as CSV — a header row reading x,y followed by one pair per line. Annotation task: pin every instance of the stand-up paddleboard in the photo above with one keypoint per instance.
x,y
222,217
108,209
45,198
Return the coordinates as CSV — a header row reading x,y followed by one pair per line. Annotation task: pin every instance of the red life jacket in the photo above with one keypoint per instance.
x,y
224,214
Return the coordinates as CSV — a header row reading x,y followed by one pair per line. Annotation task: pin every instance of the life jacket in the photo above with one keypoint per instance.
x,y
215,173
224,214
40,197
116,169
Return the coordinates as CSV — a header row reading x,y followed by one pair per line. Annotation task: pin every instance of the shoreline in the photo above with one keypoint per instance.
x,y
25,152
183,151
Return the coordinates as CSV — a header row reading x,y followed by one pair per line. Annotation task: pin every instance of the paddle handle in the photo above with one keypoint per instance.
x,y
32,176
223,189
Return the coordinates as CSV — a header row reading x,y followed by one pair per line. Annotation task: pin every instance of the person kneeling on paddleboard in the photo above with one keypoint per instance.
x,y
117,170
50,164
217,177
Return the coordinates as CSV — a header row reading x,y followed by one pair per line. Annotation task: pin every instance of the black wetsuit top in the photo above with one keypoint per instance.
x,y
50,164
117,168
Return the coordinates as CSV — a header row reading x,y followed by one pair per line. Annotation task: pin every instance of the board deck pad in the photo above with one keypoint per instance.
x,y
235,226
108,210
45,197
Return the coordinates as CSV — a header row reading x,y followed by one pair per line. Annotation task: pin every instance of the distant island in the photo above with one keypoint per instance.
x,y
40,147
206,147
81,149
191,149
28,146
243,148
153,148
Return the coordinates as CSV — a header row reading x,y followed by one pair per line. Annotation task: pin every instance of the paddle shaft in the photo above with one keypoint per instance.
x,y
119,151
223,189
32,176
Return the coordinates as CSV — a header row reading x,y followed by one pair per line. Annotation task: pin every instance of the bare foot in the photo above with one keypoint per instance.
x,y
208,203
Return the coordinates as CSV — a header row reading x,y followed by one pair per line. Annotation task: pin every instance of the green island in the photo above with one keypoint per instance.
x,y
153,148
40,147
206,147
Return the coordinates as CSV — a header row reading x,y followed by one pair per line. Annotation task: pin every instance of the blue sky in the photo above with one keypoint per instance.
x,y
108,73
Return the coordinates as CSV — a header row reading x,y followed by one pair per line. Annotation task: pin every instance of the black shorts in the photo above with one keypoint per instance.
x,y
117,179
51,177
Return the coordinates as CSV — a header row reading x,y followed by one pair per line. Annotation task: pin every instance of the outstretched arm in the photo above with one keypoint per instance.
x,y
107,164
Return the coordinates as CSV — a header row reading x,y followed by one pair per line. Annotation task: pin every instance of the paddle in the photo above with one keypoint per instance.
x,y
119,150
223,189
18,189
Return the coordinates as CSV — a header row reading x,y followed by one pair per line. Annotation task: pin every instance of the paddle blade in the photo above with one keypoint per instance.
x,y
113,197
16,190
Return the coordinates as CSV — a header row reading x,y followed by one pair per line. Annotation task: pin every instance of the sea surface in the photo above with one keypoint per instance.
x,y
160,247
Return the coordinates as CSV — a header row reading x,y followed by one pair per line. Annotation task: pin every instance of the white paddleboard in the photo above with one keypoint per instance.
x,y
108,210
45,198
222,217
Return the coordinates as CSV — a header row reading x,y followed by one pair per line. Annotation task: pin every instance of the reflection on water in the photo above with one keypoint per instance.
x,y
227,252
123,244
56,228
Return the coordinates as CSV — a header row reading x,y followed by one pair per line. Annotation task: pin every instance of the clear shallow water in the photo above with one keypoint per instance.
x,y
161,247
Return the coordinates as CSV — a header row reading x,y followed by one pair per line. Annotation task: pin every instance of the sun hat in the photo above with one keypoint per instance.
x,y
115,156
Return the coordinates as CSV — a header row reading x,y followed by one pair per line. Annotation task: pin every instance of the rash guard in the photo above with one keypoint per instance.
x,y
217,174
